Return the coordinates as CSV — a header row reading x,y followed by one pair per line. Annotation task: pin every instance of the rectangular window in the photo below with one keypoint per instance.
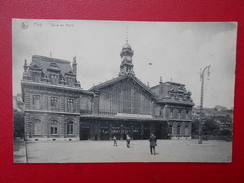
x,y
161,113
187,114
70,106
36,102
179,114
54,101
171,113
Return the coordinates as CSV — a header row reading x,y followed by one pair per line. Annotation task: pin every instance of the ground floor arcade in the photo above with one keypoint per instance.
x,y
51,126
104,128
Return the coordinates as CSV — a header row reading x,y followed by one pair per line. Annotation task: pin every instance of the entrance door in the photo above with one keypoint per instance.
x,y
158,131
84,133
104,133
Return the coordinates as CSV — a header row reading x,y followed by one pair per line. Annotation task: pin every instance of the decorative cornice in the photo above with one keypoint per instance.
x,y
49,85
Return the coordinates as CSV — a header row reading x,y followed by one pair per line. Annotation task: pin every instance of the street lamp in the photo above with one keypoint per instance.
x,y
201,101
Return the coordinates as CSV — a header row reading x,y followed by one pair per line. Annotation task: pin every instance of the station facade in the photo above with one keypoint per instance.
x,y
56,108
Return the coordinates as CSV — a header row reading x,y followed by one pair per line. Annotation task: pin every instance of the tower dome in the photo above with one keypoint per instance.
x,y
126,50
126,46
126,66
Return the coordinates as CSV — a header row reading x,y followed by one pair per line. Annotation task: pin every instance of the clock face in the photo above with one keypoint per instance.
x,y
128,58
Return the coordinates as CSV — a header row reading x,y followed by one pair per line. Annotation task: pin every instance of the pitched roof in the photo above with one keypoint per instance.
x,y
46,63
119,78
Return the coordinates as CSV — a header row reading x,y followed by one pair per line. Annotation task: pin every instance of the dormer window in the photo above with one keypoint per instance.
x,y
70,81
54,79
36,76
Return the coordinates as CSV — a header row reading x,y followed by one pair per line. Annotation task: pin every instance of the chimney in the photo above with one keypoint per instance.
x,y
74,65
160,82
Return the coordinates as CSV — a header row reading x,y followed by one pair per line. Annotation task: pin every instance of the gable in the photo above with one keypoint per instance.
x,y
125,82
124,95
45,63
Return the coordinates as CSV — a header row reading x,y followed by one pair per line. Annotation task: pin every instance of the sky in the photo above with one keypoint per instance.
x,y
177,51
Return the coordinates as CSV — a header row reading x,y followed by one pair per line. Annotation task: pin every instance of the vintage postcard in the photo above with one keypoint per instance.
x,y
123,91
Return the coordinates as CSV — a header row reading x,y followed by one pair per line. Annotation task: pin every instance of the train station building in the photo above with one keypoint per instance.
x,y
57,108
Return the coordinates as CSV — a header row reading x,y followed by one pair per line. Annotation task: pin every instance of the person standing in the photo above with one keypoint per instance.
x,y
128,140
115,141
153,143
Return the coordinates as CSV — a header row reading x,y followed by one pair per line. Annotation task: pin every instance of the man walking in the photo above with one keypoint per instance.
x,y
128,140
153,143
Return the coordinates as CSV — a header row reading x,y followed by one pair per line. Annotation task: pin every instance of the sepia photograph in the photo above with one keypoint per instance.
x,y
87,91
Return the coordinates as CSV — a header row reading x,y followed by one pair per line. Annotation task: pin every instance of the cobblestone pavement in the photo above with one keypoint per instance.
x,y
104,151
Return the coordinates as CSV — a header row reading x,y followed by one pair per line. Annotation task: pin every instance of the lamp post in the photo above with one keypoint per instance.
x,y
201,101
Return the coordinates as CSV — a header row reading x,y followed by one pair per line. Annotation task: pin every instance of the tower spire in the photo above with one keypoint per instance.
x,y
126,66
126,38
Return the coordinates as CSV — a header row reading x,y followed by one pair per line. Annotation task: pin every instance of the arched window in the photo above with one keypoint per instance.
x,y
186,130
70,128
54,127
178,129
37,127
170,129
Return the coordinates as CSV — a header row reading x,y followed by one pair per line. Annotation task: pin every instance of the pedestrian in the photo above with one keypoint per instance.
x,y
153,143
128,140
115,141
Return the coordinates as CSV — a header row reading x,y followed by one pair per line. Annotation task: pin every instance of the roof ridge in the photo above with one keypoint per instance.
x,y
122,77
106,82
50,59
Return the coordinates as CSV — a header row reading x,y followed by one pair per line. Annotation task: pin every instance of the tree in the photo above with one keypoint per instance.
x,y
195,127
18,123
211,127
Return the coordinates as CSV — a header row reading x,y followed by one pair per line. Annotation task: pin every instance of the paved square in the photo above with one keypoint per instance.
x,y
104,151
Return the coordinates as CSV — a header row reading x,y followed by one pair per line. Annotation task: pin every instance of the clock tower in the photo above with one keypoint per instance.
x,y
126,66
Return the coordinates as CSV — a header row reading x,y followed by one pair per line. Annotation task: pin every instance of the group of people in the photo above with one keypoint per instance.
x,y
127,141
152,140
